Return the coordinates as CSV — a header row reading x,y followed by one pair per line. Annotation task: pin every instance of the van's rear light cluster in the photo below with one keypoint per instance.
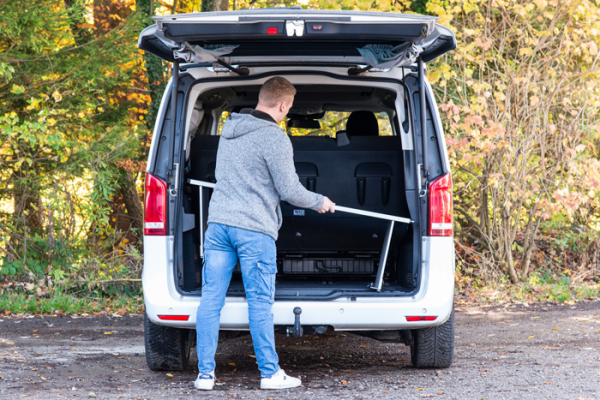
x,y
416,318
174,317
440,206
155,206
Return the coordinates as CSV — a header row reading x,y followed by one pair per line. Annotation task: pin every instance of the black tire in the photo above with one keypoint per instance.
x,y
433,347
167,349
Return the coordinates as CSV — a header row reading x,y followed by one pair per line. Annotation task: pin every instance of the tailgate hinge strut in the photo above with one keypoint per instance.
x,y
423,109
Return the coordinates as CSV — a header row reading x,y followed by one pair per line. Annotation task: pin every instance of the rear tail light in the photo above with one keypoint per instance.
x,y
155,206
416,318
440,206
174,317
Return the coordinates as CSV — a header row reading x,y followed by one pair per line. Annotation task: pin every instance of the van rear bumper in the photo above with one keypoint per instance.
x,y
434,298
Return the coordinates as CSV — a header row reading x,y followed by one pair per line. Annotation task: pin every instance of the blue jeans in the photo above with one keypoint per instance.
x,y
223,246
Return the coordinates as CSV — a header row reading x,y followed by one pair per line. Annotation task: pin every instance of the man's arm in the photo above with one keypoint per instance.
x,y
280,160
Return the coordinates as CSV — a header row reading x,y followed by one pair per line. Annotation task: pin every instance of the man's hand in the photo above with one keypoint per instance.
x,y
328,205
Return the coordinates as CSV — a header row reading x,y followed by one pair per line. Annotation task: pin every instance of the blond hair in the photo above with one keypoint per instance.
x,y
275,91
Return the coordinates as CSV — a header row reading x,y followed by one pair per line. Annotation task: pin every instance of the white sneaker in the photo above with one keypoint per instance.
x,y
280,381
205,381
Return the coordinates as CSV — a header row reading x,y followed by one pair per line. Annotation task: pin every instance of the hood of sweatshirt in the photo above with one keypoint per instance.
x,y
242,123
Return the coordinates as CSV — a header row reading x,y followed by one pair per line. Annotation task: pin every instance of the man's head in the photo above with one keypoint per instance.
x,y
276,97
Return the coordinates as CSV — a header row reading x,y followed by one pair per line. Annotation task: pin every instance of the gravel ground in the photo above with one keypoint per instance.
x,y
513,352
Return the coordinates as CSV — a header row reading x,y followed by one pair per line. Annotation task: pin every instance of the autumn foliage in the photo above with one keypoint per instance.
x,y
519,100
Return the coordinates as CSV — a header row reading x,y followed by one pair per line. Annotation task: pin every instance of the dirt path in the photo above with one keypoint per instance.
x,y
537,352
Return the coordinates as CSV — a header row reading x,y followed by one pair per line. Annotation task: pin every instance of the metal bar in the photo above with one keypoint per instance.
x,y
201,190
373,214
337,208
201,183
383,258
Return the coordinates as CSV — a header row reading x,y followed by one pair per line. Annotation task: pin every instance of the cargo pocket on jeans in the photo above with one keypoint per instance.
x,y
266,282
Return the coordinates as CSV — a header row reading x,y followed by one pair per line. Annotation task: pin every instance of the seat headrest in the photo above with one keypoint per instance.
x,y
362,123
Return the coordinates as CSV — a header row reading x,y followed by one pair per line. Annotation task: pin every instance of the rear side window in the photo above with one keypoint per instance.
x,y
334,121
329,123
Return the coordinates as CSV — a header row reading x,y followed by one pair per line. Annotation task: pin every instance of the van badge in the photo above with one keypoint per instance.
x,y
294,28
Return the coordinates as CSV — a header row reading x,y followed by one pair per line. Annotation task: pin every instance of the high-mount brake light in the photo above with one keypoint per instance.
x,y
155,206
174,317
440,206
272,31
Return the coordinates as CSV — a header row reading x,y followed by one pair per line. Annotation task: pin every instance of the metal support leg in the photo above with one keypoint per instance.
x,y
383,259
201,222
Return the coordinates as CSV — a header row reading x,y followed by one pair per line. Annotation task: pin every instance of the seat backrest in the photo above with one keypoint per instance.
x,y
362,123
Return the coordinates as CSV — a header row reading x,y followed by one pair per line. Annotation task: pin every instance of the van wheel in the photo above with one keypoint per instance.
x,y
167,349
433,347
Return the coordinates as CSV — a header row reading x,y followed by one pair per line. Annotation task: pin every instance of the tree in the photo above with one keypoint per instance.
x,y
69,112
520,97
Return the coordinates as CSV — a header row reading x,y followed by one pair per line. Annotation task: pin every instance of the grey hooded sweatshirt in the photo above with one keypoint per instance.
x,y
255,171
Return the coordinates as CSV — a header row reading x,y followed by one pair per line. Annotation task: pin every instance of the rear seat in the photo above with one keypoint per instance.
x,y
366,174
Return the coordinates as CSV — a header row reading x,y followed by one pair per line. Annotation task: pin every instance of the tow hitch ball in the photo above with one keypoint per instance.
x,y
298,331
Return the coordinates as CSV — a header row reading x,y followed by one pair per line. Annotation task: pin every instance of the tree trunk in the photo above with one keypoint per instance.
x,y
132,201
508,258
215,5
27,214
529,240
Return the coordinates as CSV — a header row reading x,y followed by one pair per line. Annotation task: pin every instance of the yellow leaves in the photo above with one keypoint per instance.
x,y
526,52
499,96
442,71
481,44
17,89
56,96
592,48
541,4
533,100
34,104
434,77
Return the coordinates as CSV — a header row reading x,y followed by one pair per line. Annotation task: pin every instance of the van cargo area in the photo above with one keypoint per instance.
x,y
320,256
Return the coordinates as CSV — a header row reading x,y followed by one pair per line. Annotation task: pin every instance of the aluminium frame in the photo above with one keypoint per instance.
x,y
386,242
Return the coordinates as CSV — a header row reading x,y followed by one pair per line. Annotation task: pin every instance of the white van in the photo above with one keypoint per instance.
x,y
366,133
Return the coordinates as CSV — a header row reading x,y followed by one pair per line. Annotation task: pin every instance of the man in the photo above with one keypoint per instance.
x,y
255,171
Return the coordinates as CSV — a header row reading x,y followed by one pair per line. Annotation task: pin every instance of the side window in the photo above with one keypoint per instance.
x,y
222,119
322,124
226,114
329,122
